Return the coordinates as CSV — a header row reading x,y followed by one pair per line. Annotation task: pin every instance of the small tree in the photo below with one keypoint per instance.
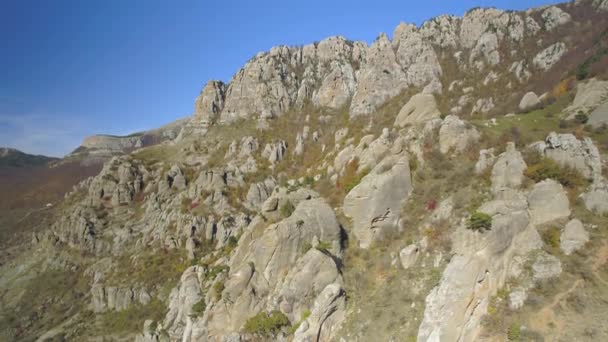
x,y
479,222
581,118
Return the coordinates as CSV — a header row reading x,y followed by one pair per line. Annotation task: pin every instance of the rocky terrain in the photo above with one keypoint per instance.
x,y
448,184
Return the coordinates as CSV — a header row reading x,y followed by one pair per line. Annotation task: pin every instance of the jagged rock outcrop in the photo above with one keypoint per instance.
x,y
486,159
374,205
554,17
327,314
420,108
545,59
210,103
116,298
262,273
379,79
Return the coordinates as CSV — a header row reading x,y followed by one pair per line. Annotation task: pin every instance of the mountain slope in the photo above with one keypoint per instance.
x,y
339,191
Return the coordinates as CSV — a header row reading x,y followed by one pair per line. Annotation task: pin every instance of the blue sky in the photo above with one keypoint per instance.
x,y
73,68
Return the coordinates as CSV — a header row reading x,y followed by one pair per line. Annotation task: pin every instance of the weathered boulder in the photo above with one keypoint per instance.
x,y
596,199
548,201
420,108
375,203
409,255
258,193
573,237
548,57
581,155
529,101
546,267
508,171
456,135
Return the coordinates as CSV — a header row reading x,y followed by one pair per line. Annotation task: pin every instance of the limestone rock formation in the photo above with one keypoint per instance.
x,y
375,203
529,101
549,56
420,108
456,135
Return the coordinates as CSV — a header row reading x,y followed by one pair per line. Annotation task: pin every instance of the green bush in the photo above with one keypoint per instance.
x,y
548,168
581,118
287,209
479,221
198,308
514,332
323,246
265,324
551,237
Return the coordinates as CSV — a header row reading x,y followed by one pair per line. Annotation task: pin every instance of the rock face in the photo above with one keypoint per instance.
x,y
210,103
456,135
508,171
529,101
589,95
375,203
548,57
554,17
420,108
596,199
573,237
599,117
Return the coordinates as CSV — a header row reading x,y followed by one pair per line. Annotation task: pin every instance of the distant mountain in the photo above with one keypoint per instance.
x,y
16,158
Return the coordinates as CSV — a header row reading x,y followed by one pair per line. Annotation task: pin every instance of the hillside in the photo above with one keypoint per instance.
x,y
14,158
446,185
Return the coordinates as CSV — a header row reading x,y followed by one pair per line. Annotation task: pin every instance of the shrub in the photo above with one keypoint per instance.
x,y
198,308
581,118
265,324
287,209
323,246
551,237
548,168
218,288
514,332
479,221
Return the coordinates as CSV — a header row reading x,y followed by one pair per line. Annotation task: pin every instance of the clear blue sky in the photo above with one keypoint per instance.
x,y
69,69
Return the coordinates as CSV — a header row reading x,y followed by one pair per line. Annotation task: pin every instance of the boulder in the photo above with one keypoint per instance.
x,y
573,237
581,155
374,204
508,171
548,202
596,199
529,101
456,135
409,255
420,108
546,267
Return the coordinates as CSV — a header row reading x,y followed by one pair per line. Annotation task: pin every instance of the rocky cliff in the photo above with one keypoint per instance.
x,y
445,184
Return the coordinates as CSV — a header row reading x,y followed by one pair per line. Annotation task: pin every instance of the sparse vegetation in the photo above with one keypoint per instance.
x,y
287,209
479,222
265,324
198,308
548,168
